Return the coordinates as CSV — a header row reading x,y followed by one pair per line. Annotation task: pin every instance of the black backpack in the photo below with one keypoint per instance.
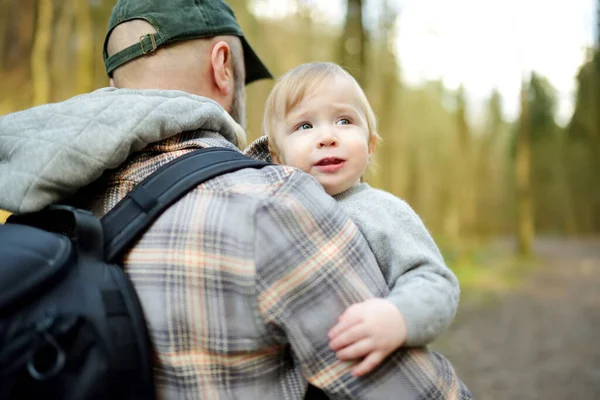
x,y
71,325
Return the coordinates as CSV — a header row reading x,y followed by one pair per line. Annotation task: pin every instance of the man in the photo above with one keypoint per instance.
x,y
242,278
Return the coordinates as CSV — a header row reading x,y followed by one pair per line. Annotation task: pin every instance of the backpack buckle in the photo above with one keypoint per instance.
x,y
47,358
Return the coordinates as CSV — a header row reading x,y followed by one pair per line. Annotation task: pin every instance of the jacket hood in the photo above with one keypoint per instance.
x,y
48,152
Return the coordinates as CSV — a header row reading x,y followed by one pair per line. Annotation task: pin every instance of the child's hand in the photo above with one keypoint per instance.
x,y
371,329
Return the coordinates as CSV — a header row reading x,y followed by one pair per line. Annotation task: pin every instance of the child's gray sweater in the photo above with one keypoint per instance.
x,y
424,289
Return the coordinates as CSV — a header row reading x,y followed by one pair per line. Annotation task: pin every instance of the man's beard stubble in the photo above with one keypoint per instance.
x,y
238,105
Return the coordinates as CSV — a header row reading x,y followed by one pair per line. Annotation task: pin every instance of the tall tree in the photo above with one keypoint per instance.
x,y
39,57
353,41
17,26
542,107
583,122
307,45
385,93
583,146
62,55
595,148
460,211
16,31
4,29
494,120
489,164
596,81
85,47
524,203
552,200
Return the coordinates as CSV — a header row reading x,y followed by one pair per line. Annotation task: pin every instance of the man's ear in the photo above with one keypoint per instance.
x,y
222,68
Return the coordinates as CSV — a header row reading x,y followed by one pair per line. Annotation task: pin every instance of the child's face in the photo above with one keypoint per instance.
x,y
326,135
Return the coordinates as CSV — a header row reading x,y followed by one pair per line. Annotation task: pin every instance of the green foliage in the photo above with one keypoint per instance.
x,y
582,149
542,108
583,122
486,268
447,168
494,120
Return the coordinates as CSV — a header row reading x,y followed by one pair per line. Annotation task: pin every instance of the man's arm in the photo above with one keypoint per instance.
x,y
312,263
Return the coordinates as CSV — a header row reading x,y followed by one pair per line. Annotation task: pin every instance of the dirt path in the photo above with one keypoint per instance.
x,y
539,341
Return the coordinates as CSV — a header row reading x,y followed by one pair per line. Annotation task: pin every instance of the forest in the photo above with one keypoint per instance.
x,y
497,178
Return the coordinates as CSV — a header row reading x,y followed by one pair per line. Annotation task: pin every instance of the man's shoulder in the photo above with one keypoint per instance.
x,y
273,184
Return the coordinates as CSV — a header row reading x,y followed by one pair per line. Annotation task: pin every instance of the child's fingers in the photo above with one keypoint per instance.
x,y
356,350
341,326
345,338
368,364
353,313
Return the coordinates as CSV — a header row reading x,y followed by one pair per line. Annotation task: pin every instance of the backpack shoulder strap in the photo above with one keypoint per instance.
x,y
144,204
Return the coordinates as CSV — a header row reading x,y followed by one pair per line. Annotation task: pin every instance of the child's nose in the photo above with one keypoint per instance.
x,y
327,139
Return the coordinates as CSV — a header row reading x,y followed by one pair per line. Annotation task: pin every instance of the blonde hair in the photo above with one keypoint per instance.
x,y
293,86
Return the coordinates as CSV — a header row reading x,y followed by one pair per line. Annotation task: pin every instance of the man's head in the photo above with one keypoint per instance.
x,y
192,45
318,119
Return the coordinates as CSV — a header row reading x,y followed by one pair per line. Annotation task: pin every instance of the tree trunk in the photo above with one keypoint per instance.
x,y
353,42
62,67
85,47
387,70
4,29
16,30
487,166
306,47
466,182
594,195
525,224
17,19
39,56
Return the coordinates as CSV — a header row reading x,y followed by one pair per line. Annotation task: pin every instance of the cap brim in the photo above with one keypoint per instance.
x,y
255,69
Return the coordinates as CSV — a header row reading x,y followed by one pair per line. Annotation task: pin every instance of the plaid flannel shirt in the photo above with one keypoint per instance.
x,y
243,277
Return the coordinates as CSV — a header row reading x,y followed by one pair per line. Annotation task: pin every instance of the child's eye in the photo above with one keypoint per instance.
x,y
304,126
343,121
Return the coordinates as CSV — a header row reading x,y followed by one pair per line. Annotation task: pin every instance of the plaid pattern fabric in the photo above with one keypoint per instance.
x,y
259,149
243,277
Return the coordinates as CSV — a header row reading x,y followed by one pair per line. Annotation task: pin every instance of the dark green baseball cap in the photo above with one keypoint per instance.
x,y
176,20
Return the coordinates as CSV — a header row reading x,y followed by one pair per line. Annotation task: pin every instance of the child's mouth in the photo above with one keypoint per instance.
x,y
330,164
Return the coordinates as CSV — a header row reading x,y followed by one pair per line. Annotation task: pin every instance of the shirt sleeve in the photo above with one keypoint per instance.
x,y
311,264
422,286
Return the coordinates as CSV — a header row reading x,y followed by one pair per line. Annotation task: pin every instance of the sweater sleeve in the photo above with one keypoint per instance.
x,y
423,288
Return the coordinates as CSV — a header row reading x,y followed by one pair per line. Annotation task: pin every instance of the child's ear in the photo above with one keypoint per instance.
x,y
275,157
372,145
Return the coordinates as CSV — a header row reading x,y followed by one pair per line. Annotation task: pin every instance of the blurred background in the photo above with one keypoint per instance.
x,y
488,111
